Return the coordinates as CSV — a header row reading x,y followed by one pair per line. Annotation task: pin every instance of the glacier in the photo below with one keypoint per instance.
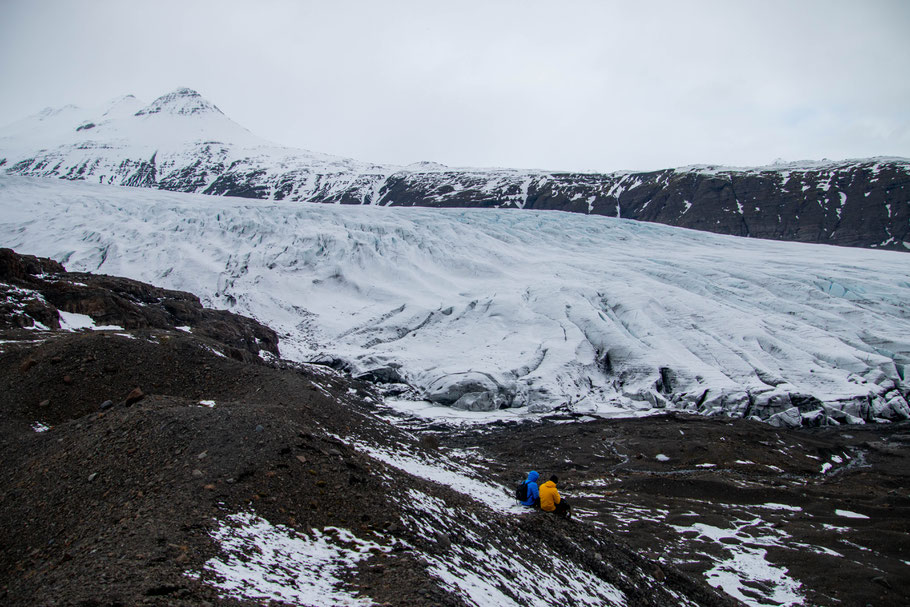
x,y
483,309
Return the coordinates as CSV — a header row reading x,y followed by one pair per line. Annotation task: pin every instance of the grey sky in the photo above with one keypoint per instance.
x,y
552,85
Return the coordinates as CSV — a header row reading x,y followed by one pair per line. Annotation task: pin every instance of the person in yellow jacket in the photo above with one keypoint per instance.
x,y
550,500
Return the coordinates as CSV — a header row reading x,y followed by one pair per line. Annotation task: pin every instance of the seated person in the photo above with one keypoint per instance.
x,y
550,500
532,493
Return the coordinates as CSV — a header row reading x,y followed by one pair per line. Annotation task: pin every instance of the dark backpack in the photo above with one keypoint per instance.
x,y
521,491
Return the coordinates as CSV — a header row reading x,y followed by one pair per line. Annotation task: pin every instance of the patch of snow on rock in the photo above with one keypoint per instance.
x,y
745,563
484,574
70,321
773,506
264,562
444,472
849,514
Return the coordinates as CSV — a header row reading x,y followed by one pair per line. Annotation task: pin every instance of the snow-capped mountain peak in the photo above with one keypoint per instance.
x,y
180,102
183,142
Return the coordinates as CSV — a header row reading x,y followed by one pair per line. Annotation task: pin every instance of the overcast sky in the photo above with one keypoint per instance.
x,y
552,85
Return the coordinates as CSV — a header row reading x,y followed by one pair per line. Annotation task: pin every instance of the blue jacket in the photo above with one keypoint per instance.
x,y
533,490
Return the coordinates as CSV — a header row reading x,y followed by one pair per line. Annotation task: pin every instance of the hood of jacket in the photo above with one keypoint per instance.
x,y
532,477
549,485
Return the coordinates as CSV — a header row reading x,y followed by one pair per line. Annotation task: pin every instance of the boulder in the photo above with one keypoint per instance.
x,y
131,304
387,374
805,402
816,418
767,404
856,407
134,396
789,418
898,408
735,403
447,389
841,416
476,401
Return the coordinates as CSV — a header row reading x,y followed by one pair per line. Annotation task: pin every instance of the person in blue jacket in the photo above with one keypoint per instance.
x,y
533,490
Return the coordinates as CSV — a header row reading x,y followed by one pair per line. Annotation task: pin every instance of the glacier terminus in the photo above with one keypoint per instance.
x,y
488,309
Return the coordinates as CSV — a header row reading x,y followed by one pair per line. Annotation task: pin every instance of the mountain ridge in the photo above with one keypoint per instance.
x,y
183,142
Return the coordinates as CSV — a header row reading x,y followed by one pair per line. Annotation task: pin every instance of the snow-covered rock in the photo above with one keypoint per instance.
x,y
892,406
790,418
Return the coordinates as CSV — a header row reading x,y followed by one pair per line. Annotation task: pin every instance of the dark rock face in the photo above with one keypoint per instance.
x,y
858,204
24,267
37,288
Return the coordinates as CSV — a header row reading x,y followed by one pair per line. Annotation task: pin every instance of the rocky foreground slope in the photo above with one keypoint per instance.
x,y
226,479
182,142
151,466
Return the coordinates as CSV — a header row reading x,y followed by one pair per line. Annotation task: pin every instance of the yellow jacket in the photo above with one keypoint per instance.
x,y
549,496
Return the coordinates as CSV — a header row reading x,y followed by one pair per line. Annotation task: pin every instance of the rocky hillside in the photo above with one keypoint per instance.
x,y
864,203
37,290
146,466
184,143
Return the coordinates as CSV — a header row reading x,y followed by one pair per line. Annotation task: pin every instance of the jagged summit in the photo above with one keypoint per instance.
x,y
181,102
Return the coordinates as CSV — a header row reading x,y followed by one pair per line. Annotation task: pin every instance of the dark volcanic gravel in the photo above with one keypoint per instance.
x,y
727,473
114,505
116,502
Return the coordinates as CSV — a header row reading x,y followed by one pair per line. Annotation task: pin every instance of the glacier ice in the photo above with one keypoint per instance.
x,y
483,309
